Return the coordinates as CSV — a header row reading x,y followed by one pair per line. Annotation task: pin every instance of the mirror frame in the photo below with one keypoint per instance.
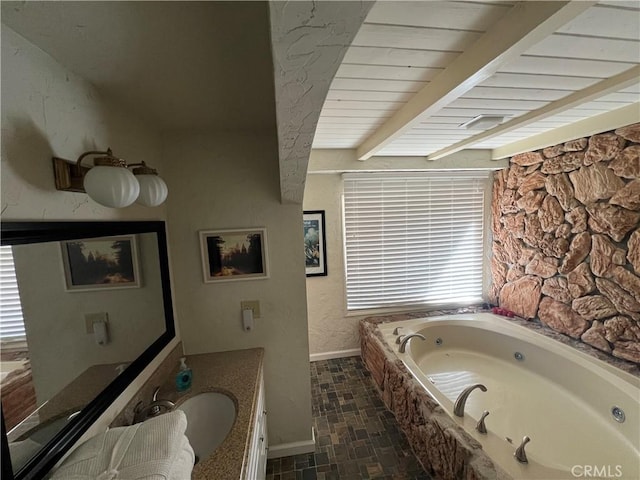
x,y
17,233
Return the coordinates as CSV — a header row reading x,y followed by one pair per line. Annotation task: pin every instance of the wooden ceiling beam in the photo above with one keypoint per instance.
x,y
600,89
583,128
523,26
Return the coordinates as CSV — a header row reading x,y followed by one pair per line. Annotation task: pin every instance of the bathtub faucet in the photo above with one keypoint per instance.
x,y
458,408
405,340
520,454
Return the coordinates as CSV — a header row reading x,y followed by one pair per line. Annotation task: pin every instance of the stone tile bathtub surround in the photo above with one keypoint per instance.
x,y
445,451
566,239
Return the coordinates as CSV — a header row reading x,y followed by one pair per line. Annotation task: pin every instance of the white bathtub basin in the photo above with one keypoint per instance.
x,y
560,397
210,417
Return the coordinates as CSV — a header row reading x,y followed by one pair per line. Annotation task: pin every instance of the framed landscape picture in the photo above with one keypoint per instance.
x,y
315,243
101,263
229,255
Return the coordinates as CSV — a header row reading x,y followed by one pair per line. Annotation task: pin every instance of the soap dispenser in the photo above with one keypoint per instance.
x,y
184,377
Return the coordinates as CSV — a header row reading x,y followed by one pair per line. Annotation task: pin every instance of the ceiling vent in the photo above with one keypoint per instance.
x,y
483,122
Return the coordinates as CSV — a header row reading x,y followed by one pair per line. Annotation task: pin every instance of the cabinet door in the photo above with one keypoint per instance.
x,y
256,468
264,450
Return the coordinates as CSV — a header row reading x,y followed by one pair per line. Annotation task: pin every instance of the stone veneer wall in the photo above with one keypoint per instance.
x,y
566,239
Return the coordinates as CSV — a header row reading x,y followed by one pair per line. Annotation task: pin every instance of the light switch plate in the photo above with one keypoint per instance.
x,y
89,318
251,305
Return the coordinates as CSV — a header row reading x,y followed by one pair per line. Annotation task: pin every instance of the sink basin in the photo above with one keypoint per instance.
x,y
210,417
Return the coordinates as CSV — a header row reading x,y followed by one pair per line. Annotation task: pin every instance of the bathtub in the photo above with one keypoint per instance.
x,y
558,396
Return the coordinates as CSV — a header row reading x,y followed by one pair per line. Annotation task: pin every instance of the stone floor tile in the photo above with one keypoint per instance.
x,y
356,436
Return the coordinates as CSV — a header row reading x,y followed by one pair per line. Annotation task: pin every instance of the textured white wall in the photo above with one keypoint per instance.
x,y
221,181
47,110
309,40
330,329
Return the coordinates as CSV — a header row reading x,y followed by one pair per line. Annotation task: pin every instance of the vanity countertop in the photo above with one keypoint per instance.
x,y
237,374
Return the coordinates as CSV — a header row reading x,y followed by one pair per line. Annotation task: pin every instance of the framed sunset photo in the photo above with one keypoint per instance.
x,y
101,263
229,255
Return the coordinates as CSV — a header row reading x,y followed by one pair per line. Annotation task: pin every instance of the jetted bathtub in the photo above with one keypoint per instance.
x,y
561,398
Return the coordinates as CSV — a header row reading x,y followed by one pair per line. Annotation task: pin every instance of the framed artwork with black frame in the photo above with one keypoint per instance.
x,y
315,243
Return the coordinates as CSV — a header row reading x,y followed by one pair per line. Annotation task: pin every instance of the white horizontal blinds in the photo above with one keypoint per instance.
x,y
11,321
413,238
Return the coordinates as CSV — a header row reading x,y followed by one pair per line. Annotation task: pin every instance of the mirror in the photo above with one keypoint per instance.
x,y
95,305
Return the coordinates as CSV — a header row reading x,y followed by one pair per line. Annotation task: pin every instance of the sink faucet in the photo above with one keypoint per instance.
x,y
154,398
520,454
154,408
405,340
458,408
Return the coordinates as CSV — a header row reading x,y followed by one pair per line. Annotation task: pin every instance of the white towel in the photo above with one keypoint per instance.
x,y
145,451
183,466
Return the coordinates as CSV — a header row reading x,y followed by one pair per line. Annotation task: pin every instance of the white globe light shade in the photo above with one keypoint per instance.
x,y
114,187
153,190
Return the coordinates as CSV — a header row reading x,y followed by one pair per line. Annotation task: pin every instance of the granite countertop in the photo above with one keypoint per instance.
x,y
235,373
77,394
70,399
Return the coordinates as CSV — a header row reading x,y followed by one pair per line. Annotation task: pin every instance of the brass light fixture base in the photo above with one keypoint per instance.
x,y
68,176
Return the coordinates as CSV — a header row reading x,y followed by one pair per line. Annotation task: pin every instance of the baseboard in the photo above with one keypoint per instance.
x,y
339,354
293,448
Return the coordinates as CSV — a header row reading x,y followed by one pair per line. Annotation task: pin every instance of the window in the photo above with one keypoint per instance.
x,y
413,238
11,321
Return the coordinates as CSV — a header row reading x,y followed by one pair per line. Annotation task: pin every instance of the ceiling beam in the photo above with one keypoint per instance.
x,y
604,87
333,161
526,24
583,128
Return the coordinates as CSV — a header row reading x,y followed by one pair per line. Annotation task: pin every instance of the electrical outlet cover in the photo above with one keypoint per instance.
x,y
251,305
89,318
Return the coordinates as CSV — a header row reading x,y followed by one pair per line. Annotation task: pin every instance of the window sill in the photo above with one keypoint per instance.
x,y
425,307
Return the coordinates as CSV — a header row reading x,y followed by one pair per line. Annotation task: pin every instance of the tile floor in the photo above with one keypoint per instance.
x,y
356,437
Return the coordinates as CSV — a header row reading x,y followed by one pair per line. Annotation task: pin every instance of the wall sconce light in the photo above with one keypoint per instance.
x,y
111,182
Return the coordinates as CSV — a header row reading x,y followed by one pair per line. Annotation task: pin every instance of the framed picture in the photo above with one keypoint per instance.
x,y
229,255
315,243
101,263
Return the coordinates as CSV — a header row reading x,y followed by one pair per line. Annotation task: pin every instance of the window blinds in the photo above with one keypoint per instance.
x,y
11,321
413,238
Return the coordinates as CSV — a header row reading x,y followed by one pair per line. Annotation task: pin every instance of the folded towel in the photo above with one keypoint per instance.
x,y
183,465
146,451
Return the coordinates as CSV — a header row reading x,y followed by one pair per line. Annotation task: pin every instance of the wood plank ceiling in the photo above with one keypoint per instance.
x,y
403,48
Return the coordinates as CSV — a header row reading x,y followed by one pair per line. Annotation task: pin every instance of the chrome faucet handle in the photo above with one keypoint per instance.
x,y
480,426
520,454
152,410
74,415
155,394
155,409
399,339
